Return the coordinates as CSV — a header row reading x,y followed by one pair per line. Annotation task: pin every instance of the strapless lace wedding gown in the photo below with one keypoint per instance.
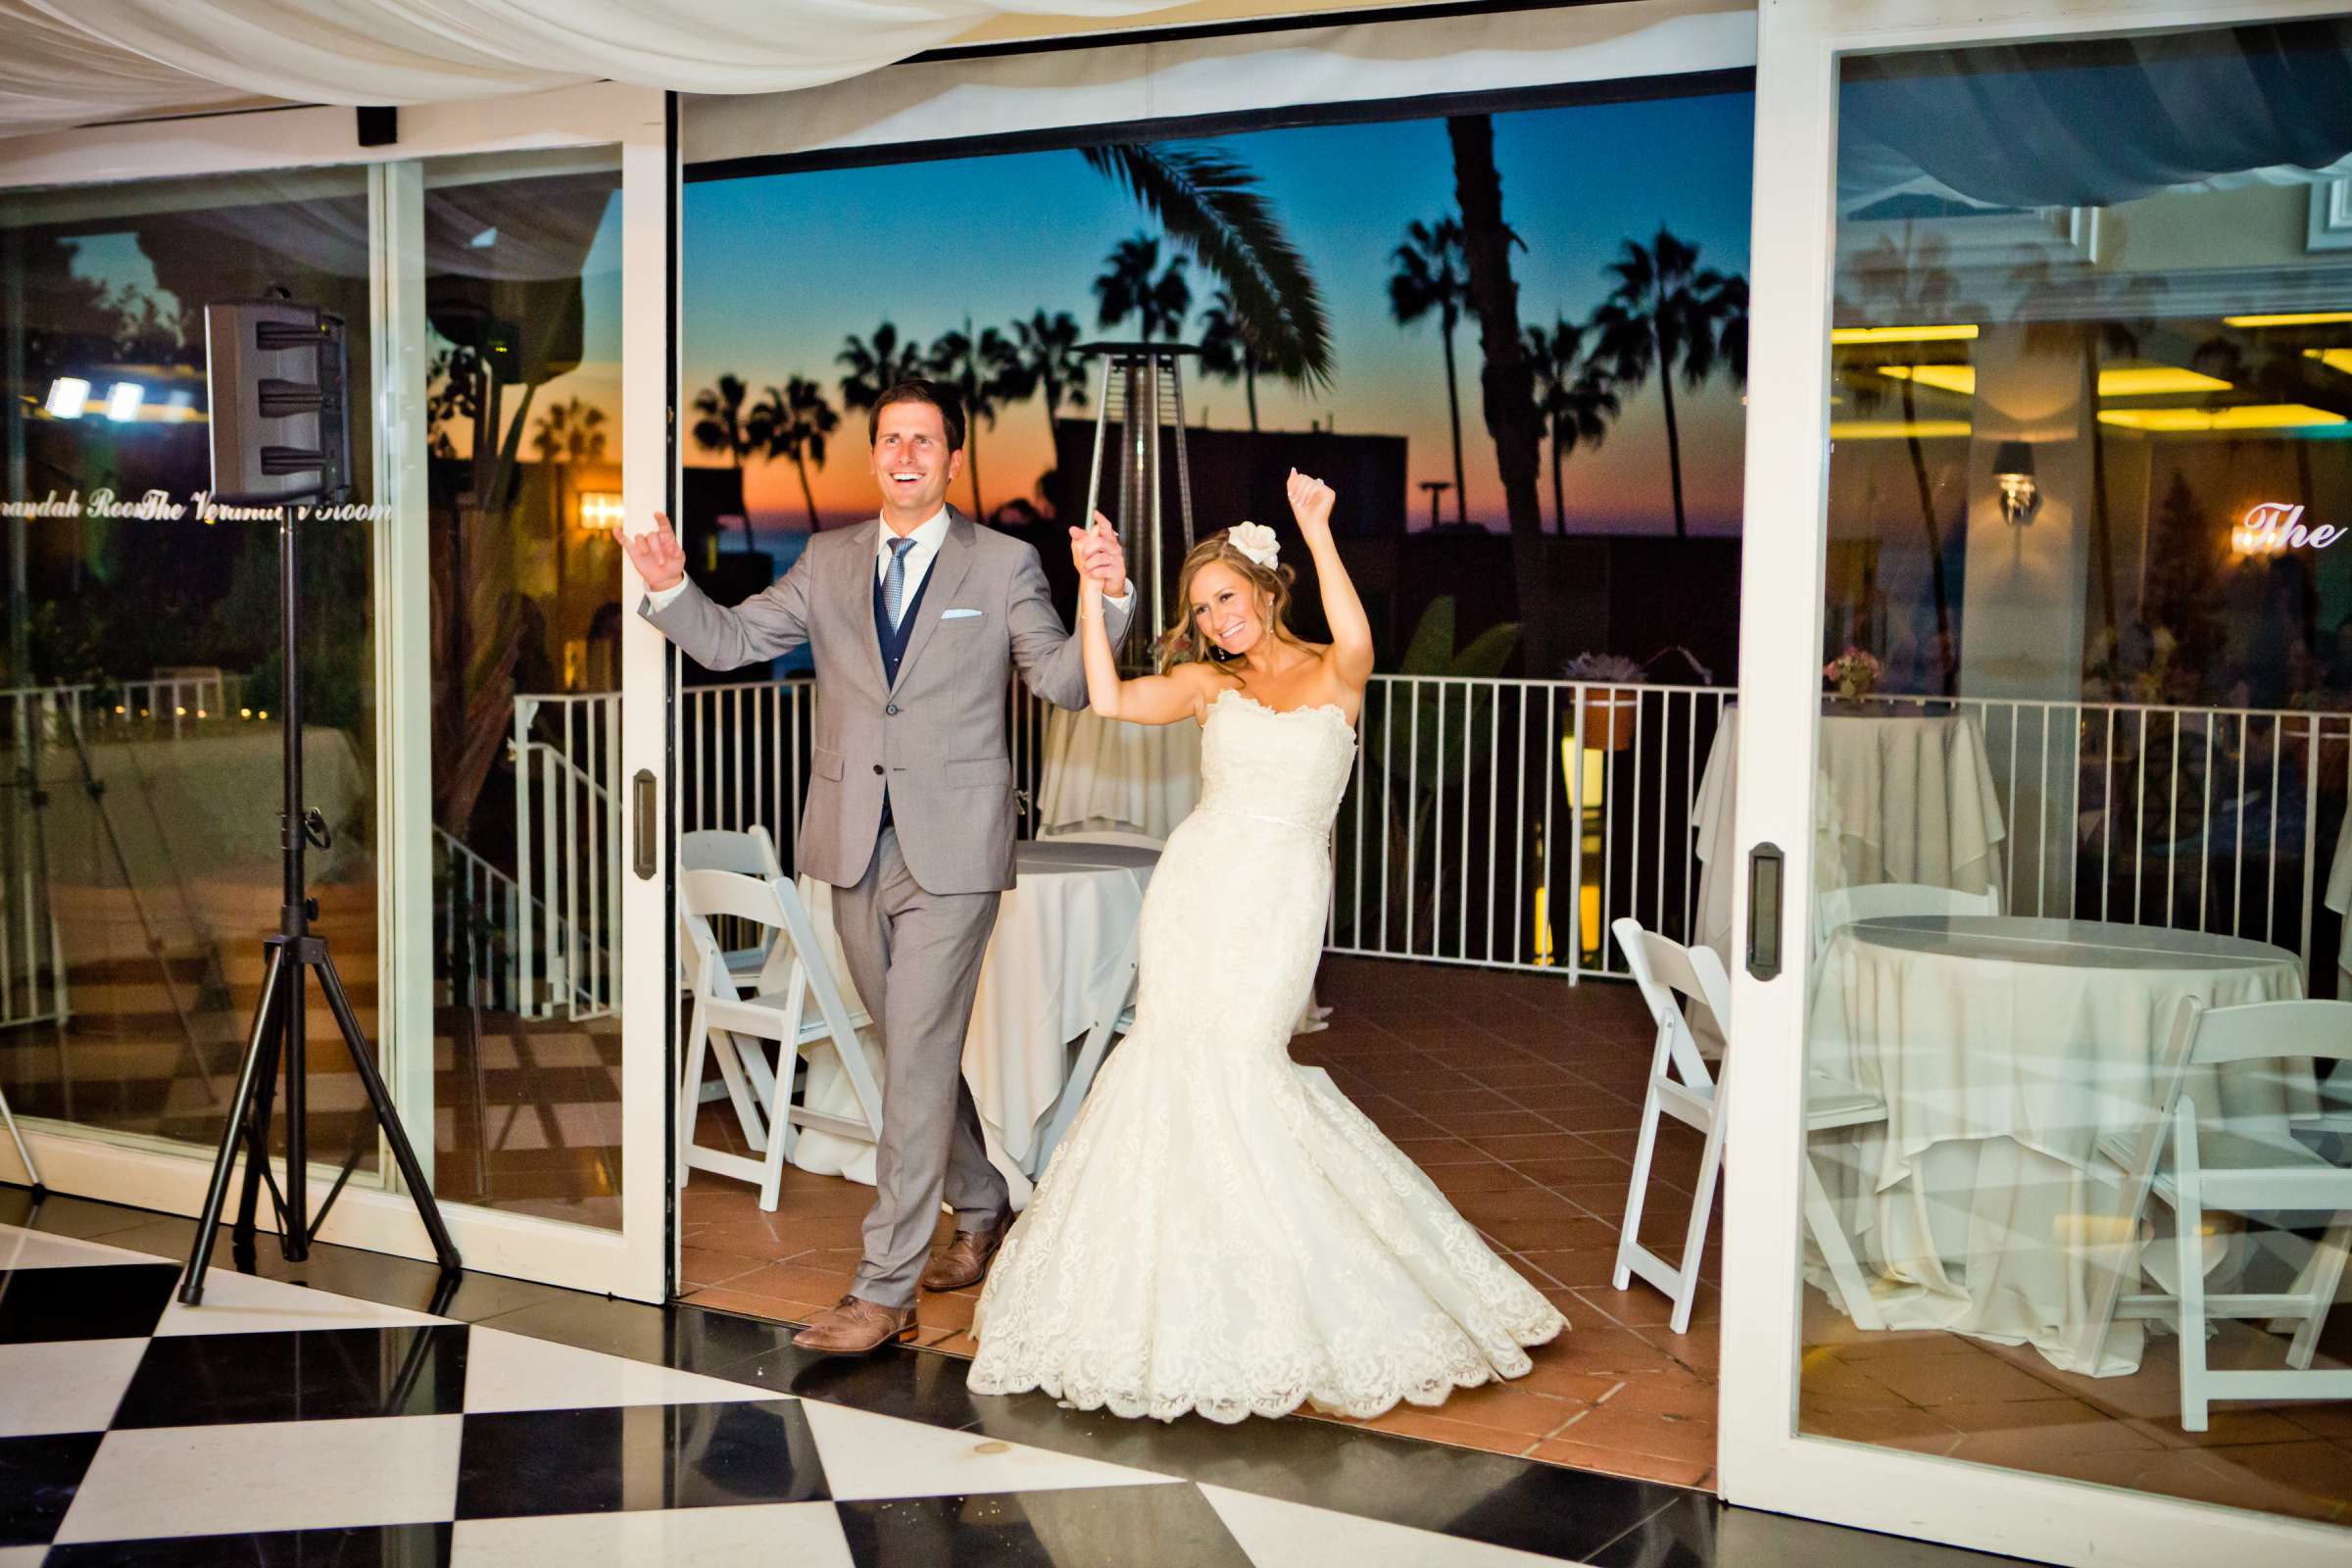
x,y
1221,1231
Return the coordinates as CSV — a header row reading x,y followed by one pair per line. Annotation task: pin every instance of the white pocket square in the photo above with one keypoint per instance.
x,y
958,615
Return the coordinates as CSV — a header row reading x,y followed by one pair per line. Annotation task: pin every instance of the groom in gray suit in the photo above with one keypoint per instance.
x,y
915,620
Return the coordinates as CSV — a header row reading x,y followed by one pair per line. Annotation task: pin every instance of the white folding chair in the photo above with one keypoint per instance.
x,y
2213,1168
722,1018
749,851
1115,1017
1681,1087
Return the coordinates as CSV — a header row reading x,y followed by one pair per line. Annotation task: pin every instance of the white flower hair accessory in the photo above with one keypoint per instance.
x,y
1257,541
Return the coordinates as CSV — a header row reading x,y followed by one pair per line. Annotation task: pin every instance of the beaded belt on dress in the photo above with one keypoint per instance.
x,y
1319,829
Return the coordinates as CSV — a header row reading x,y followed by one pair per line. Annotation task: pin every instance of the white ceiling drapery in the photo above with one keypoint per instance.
x,y
70,61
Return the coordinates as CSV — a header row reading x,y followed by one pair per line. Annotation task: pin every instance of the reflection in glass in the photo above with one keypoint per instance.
x,y
139,760
2085,775
523,306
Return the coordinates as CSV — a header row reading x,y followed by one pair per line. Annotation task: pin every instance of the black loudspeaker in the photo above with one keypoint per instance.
x,y
379,125
276,374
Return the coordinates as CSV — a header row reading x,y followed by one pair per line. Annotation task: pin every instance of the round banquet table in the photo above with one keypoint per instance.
x,y
2005,1047
1058,957
1103,773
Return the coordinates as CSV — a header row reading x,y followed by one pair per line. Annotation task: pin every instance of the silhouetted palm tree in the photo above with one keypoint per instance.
x,y
1132,284
988,372
1669,316
571,432
1207,203
793,421
1574,394
718,427
1228,351
875,365
1429,277
1048,346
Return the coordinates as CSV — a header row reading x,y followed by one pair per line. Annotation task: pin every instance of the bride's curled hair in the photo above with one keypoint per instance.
x,y
1185,642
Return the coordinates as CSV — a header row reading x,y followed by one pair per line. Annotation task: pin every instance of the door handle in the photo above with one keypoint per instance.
x,y
1764,910
644,800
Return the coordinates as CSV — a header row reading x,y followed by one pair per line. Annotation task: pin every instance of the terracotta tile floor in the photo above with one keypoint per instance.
x,y
1520,1096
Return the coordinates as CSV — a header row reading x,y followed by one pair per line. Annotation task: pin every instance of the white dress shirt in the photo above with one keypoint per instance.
x,y
927,537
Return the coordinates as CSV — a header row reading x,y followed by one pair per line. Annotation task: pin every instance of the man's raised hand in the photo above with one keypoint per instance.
x,y
1099,556
657,554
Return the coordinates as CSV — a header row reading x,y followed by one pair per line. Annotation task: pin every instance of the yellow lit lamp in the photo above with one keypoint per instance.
x,y
600,511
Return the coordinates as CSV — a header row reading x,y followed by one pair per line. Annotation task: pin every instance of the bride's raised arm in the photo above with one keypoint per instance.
x,y
1351,654
1146,700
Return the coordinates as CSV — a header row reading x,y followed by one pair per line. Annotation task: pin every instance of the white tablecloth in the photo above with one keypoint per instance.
x,y
1105,773
1903,799
1058,957
2005,1047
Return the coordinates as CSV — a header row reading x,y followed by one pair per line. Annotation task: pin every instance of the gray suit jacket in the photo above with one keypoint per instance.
x,y
937,736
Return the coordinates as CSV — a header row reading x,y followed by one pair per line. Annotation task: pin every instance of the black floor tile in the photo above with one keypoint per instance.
x,y
406,1282
1083,1525
315,1375
1428,1486
687,1339
104,1302
358,1546
647,1457
39,1477
911,1385
59,1215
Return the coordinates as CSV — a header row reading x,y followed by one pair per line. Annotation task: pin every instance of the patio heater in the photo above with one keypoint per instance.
x,y
1141,392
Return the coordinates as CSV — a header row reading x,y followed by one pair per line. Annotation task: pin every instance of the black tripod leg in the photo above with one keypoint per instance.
x,y
191,1287
270,1019
419,1190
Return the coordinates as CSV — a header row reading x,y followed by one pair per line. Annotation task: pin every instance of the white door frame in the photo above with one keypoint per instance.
x,y
160,1174
1763,1463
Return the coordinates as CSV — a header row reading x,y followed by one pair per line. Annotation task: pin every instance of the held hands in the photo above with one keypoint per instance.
x,y
1099,560
1310,503
657,554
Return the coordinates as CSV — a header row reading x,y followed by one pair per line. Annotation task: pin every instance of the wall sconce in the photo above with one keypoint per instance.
x,y
600,511
2012,472
68,398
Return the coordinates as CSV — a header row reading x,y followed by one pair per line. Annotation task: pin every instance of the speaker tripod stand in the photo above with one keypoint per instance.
x,y
280,1033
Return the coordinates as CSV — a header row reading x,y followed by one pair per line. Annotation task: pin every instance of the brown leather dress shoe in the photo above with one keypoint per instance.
x,y
855,1327
964,1260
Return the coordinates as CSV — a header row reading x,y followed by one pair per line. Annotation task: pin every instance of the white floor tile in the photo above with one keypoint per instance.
x,y
806,1535
66,1386
277,1475
515,1372
869,1456
1278,1534
244,1303
23,1556
23,1249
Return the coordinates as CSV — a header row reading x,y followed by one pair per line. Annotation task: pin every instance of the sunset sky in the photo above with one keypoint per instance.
x,y
779,268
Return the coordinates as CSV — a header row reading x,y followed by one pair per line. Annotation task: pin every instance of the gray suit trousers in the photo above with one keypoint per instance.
x,y
915,957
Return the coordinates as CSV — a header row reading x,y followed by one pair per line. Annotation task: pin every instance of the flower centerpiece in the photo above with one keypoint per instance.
x,y
1611,707
1855,670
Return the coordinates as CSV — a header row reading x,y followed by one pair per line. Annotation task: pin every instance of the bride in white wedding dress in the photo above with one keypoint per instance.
x,y
1221,1231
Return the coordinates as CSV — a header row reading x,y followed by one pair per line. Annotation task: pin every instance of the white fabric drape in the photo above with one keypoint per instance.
x,y
69,61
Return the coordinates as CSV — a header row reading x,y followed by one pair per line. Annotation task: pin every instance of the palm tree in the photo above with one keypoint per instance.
x,y
718,427
1574,395
875,365
1506,381
1670,317
571,432
1207,203
1048,346
1429,277
793,421
1132,284
1228,351
988,372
